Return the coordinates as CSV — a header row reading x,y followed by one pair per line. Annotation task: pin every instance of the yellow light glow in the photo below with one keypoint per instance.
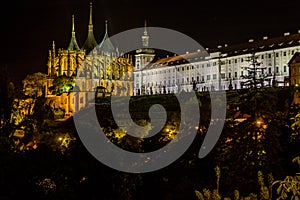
x,y
60,138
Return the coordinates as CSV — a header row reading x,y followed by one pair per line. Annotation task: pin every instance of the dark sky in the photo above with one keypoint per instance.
x,y
28,27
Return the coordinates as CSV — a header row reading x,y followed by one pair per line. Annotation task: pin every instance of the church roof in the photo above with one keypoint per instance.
x,y
90,42
73,45
106,45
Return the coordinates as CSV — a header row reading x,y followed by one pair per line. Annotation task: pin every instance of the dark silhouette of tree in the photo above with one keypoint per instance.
x,y
34,85
256,76
7,94
252,137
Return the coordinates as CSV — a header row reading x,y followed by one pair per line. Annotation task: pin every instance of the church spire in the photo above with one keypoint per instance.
x,y
106,45
91,18
106,27
90,42
145,37
73,43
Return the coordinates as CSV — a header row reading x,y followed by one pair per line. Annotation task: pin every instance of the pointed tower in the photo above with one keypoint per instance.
x,y
145,37
143,57
90,42
73,43
106,47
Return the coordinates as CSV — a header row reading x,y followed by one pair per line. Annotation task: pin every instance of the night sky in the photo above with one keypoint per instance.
x,y
28,27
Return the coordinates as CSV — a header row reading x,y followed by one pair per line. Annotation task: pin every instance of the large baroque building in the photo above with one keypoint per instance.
x,y
225,67
94,65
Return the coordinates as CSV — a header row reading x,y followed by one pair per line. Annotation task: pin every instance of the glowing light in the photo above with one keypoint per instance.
x,y
60,138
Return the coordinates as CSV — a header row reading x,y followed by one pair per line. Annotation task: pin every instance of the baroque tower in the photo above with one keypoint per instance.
x,y
143,57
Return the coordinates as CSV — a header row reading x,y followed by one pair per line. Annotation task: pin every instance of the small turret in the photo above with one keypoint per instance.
x,y
53,50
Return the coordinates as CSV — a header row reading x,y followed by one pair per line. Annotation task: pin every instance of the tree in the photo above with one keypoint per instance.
x,y
62,84
251,138
34,84
256,76
7,94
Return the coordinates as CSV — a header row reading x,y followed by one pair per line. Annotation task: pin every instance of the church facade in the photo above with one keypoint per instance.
x,y
94,66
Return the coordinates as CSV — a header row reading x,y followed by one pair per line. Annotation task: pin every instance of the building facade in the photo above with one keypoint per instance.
x,y
226,67
92,66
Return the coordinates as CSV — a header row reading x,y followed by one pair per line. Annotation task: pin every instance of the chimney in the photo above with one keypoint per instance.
x,y
251,40
286,34
265,37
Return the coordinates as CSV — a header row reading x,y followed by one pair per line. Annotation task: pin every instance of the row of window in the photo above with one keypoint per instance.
x,y
242,72
214,77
